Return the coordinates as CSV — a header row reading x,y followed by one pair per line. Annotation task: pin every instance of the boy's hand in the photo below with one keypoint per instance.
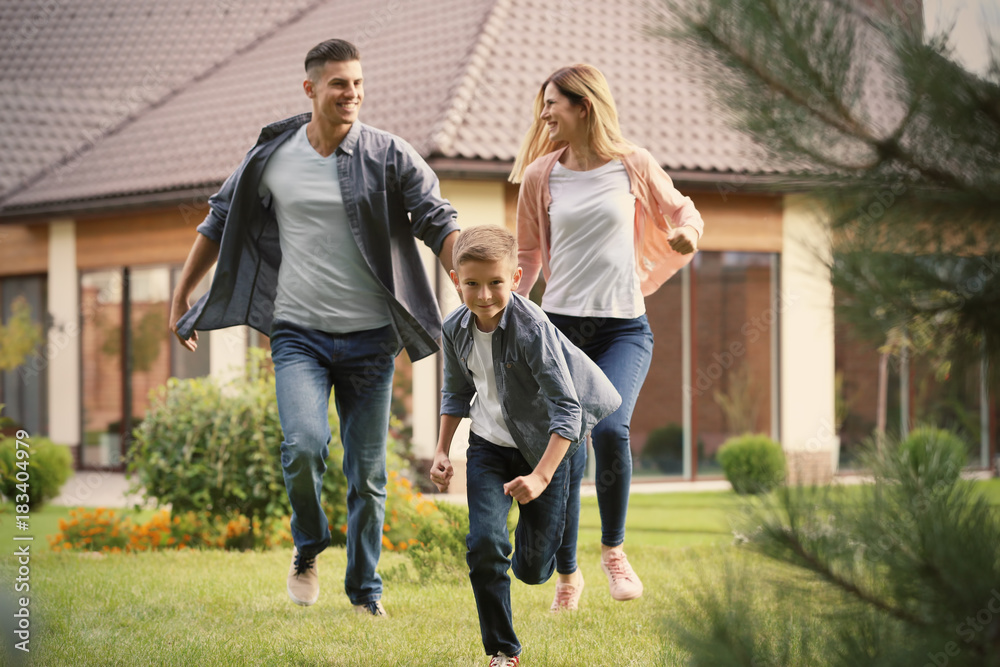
x,y
441,472
525,489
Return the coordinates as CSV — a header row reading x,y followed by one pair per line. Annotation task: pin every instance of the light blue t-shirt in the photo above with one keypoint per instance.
x,y
324,282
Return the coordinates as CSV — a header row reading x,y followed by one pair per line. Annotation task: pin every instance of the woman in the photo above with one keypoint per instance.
x,y
606,226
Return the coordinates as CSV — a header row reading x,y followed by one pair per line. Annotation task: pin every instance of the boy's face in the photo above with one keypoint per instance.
x,y
485,288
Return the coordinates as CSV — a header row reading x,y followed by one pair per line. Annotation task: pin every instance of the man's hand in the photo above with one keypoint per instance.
x,y
683,239
526,488
441,471
178,308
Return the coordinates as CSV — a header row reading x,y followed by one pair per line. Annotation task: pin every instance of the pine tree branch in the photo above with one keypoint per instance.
x,y
821,568
842,119
791,41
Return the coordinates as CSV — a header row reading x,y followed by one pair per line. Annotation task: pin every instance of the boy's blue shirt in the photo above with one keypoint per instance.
x,y
546,384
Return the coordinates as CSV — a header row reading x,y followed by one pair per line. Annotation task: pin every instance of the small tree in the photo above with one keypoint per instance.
x,y
907,569
20,336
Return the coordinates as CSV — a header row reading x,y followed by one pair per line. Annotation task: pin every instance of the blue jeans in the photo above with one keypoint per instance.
x,y
358,366
623,349
536,538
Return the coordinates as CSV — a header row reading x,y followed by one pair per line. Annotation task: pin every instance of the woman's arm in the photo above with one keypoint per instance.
x,y
529,251
675,209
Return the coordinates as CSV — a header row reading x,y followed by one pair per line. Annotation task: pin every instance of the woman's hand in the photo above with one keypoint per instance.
x,y
684,240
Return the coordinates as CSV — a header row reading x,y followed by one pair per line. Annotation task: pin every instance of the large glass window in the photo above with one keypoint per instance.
x,y
657,431
735,314
113,380
946,396
23,389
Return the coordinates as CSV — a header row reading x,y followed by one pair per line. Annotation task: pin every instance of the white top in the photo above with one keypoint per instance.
x,y
592,219
324,282
485,412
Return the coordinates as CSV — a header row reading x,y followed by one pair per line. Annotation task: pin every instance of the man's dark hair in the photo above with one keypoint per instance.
x,y
331,51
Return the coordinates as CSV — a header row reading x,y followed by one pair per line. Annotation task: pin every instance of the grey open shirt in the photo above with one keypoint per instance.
x,y
391,196
545,383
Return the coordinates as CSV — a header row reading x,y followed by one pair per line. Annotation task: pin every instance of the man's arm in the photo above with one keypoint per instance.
x,y
526,488
432,218
446,251
203,254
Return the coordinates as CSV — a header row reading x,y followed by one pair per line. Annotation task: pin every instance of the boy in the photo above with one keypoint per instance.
x,y
537,397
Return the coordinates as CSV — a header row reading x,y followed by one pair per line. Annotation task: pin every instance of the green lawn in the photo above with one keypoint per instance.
x,y
228,608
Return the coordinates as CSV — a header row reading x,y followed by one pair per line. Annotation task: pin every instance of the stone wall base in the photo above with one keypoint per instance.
x,y
809,468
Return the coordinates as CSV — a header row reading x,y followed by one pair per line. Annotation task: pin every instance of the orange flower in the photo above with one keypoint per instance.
x,y
385,528
387,543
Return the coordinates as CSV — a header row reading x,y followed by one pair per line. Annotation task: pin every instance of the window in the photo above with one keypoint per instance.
x,y
24,390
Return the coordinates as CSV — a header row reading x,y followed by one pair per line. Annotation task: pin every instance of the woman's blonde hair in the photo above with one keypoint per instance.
x,y
578,83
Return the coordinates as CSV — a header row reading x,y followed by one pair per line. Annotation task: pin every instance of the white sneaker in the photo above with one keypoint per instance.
x,y
503,660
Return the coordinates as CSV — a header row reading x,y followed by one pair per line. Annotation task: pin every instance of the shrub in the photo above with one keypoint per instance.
x,y
752,463
104,531
48,466
215,450
931,458
439,551
207,448
664,449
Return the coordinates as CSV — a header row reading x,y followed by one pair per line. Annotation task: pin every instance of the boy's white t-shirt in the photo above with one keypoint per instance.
x,y
592,265
485,412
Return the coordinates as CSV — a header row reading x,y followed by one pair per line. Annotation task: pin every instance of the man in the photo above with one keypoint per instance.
x,y
314,236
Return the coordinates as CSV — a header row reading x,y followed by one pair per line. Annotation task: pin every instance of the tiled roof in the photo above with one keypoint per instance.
x,y
72,71
454,77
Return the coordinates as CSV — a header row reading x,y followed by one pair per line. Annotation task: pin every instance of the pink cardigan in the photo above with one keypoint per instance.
x,y
656,201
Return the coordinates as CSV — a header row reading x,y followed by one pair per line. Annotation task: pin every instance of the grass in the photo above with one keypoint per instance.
x,y
229,608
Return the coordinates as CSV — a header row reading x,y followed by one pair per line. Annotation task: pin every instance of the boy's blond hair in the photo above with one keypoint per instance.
x,y
486,243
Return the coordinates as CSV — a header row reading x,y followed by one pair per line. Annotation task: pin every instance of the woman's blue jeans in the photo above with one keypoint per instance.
x,y
623,349
540,526
358,367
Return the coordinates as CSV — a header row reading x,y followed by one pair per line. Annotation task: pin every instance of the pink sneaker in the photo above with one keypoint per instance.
x,y
622,579
567,596
502,660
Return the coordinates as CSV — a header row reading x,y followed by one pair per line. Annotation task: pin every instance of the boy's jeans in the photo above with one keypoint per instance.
x,y
536,538
358,366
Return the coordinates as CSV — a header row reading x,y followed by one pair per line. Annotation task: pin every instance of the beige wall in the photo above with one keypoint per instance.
x,y
477,203
807,333
63,345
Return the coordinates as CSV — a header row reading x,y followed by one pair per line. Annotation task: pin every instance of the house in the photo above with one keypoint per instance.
x,y
119,118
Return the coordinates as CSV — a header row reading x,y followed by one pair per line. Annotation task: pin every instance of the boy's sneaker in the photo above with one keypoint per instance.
x,y
303,579
503,660
567,596
373,608
622,579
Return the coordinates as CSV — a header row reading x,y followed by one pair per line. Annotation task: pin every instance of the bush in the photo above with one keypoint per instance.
x,y
752,463
48,466
439,551
215,450
102,530
664,449
205,448
931,458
